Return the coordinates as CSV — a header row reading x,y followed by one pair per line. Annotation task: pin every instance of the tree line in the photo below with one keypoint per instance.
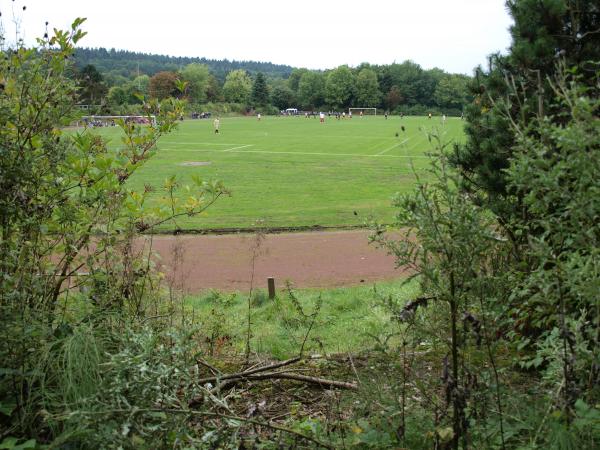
x,y
118,82
124,63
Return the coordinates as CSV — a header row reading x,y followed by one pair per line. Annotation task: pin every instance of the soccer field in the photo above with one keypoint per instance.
x,y
294,171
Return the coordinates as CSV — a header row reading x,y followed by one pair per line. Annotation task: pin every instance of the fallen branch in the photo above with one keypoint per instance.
x,y
322,382
249,372
297,377
266,373
213,369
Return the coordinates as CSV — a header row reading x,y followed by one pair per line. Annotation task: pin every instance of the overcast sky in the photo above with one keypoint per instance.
x,y
455,35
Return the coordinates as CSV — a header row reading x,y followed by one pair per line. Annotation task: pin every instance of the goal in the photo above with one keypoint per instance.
x,y
365,111
108,121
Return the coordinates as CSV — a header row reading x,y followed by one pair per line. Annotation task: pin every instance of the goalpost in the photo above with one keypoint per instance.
x,y
107,121
365,111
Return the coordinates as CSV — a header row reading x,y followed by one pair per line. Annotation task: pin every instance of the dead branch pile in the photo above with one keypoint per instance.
x,y
282,370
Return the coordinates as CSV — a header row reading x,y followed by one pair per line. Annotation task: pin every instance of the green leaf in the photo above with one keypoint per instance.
x,y
11,443
7,408
77,22
446,434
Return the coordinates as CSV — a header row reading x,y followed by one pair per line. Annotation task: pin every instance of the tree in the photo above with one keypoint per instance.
x,y
427,85
555,171
452,91
260,91
164,85
367,88
139,86
92,85
117,95
543,32
311,90
282,97
408,76
213,90
294,79
115,78
480,291
385,79
237,87
197,78
340,87
393,98
530,157
130,93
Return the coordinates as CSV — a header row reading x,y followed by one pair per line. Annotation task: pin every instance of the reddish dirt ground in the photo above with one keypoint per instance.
x,y
310,259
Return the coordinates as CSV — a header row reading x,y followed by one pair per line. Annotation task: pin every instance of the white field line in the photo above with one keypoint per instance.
x,y
197,143
392,147
298,136
305,153
235,148
421,141
379,144
388,149
328,136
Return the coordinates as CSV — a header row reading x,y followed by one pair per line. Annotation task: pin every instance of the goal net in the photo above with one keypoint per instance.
x,y
364,111
111,121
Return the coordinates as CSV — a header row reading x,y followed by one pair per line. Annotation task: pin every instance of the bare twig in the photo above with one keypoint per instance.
x,y
312,322
290,376
353,367
255,253
245,373
210,367
159,316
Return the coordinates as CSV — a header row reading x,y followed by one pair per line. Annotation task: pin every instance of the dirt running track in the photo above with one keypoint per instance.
x,y
310,259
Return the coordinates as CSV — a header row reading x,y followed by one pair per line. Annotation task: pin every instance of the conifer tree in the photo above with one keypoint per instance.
x,y
91,82
516,87
260,92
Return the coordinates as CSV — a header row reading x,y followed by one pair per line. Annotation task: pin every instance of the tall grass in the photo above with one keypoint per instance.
x,y
349,318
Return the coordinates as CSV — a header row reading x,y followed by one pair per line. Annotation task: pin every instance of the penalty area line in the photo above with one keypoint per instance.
x,y
392,147
266,152
238,147
196,143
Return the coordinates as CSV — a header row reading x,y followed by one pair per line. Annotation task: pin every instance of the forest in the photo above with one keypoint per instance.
x,y
127,63
113,80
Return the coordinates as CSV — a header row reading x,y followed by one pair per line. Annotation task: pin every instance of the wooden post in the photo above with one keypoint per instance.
x,y
271,284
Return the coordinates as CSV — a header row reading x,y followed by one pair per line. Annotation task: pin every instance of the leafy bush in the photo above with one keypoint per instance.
x,y
530,285
68,222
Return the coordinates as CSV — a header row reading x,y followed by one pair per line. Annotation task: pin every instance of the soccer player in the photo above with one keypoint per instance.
x,y
429,115
258,117
322,117
349,114
216,124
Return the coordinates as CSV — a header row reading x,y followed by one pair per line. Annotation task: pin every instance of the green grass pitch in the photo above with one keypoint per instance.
x,y
294,171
